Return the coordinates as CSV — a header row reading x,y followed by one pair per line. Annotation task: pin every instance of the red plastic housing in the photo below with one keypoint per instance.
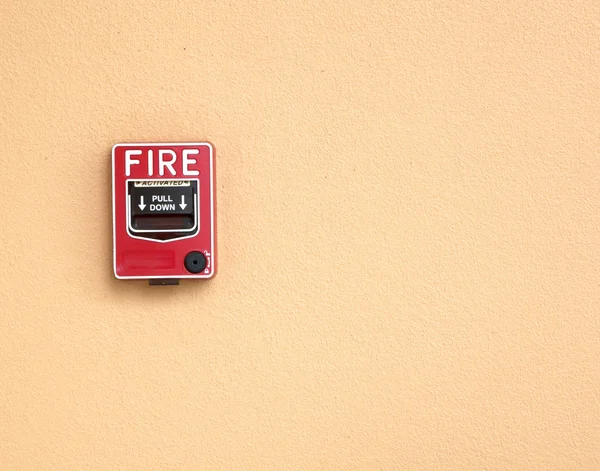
x,y
137,253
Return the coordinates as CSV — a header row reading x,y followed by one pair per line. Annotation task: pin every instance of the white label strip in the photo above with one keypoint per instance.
x,y
163,183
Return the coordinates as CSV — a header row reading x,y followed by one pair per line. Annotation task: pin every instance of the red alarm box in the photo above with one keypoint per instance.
x,y
164,211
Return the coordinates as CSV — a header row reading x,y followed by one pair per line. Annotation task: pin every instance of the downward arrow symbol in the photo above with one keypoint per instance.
x,y
183,204
142,205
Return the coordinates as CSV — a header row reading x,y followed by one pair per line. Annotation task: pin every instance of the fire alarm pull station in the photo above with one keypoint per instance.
x,y
163,211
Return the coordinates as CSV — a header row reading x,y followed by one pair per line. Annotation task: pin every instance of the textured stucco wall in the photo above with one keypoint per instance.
x,y
409,205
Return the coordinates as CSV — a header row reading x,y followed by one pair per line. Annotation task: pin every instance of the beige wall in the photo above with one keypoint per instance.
x,y
409,197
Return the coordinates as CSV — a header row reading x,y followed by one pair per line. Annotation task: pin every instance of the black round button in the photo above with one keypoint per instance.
x,y
195,262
